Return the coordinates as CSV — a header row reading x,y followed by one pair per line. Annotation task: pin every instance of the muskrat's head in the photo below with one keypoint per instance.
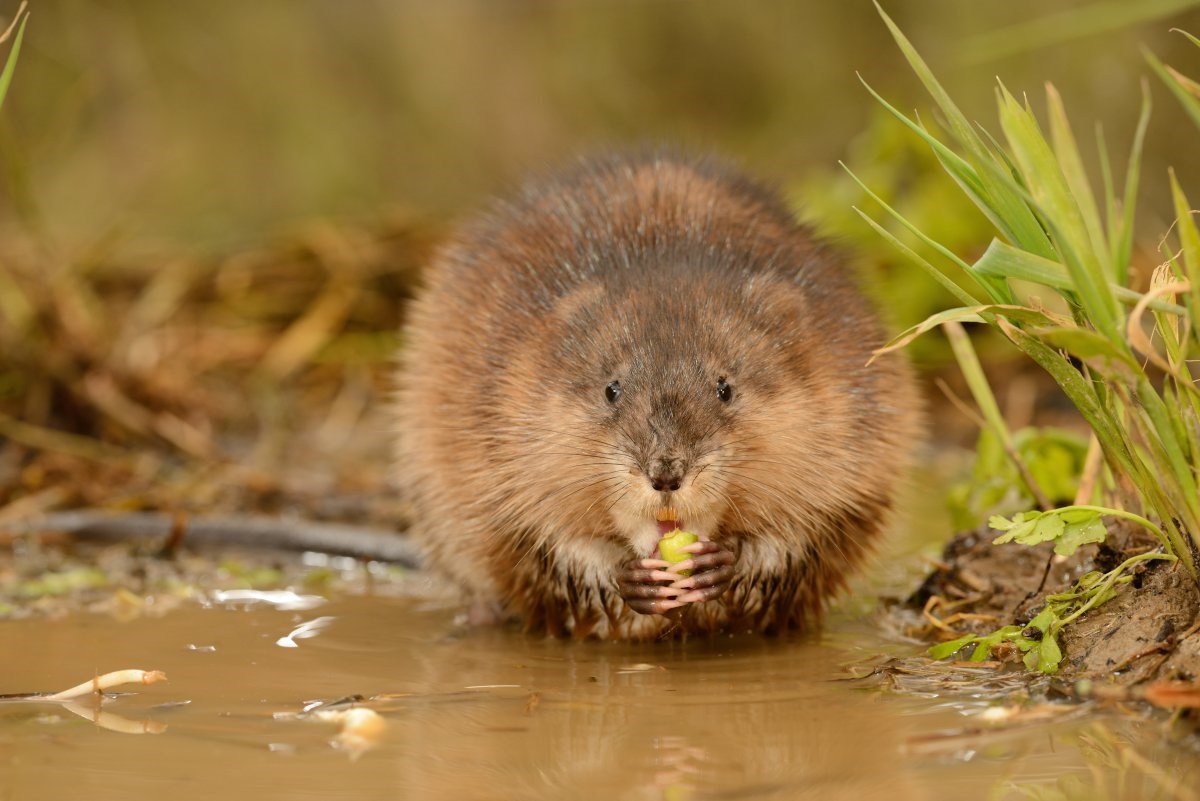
x,y
702,397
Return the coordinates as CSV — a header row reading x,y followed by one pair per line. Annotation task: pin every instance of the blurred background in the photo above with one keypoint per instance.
x,y
209,125
211,213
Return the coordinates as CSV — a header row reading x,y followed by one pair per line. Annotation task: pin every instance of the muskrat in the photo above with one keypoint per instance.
x,y
638,335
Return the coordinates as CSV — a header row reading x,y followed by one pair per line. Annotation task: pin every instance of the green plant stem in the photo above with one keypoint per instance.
x,y
1121,513
968,362
1100,590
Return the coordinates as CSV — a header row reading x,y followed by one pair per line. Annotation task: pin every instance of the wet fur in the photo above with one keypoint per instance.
x,y
529,489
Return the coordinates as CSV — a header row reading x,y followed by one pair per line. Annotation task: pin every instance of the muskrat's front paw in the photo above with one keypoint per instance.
x,y
711,569
646,587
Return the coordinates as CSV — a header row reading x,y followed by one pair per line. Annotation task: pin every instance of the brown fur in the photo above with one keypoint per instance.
x,y
530,489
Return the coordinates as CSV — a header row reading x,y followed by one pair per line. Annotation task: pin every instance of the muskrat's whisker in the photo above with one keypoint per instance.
x,y
616,500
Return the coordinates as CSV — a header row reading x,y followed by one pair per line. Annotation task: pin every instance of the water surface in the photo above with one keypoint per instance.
x,y
492,714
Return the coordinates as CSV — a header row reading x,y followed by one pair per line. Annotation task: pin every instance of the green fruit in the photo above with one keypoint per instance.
x,y
668,547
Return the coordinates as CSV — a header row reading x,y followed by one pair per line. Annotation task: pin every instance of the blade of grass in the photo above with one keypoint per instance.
x,y
960,126
1081,392
1189,240
1044,178
1184,479
11,64
928,240
1078,185
1123,246
920,261
966,314
1109,187
1190,104
1190,37
1112,436
1019,223
972,371
1002,259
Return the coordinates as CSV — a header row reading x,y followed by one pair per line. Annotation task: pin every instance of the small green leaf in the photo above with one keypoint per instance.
x,y
1025,527
982,651
1049,654
1080,534
1045,619
1031,659
945,649
1048,528
1071,516
1001,523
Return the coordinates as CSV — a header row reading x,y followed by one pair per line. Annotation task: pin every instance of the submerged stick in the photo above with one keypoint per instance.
x,y
361,542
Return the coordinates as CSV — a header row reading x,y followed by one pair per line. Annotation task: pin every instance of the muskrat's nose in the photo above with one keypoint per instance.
x,y
667,475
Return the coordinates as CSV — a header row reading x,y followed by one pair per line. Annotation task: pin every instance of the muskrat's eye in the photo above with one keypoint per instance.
x,y
724,390
613,391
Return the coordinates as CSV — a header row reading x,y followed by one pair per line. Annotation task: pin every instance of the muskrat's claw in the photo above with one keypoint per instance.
x,y
712,571
645,587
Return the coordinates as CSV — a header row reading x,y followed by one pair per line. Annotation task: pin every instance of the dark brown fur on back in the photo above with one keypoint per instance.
x,y
665,275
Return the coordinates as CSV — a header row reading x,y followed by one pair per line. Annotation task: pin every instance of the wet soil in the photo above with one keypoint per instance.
x,y
1149,632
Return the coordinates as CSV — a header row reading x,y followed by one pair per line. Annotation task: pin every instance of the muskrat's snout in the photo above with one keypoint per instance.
x,y
666,473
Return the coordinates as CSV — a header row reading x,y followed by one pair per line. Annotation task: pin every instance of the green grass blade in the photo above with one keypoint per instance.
x,y
920,261
1078,185
960,126
966,314
1082,394
965,175
981,390
1092,348
1189,240
1123,249
928,240
969,314
1190,104
1003,260
1184,480
1048,186
1193,39
995,189
1111,210
10,65
955,164
1012,203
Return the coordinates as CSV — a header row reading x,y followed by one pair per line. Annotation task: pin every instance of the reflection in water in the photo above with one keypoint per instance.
x,y
740,717
309,628
433,712
285,600
112,721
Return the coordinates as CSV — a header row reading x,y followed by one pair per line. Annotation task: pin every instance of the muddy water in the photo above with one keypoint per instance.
x,y
493,715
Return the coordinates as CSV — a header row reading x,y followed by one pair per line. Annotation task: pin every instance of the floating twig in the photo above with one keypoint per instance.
x,y
99,684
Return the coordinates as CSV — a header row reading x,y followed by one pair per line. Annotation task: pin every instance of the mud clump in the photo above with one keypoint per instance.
x,y
1149,631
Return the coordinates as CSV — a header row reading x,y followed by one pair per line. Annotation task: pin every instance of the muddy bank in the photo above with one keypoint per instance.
x,y
1149,632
